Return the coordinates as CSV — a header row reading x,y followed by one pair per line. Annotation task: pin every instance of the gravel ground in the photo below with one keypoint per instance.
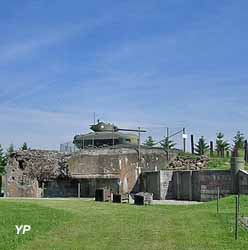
x,y
174,202
154,202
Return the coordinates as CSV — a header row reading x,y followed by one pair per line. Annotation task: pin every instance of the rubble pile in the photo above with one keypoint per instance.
x,y
189,162
41,165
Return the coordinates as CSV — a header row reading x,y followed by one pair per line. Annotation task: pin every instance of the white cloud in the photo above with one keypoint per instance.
x,y
14,51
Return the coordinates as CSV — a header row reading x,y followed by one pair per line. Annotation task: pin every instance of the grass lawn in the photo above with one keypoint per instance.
x,y
77,224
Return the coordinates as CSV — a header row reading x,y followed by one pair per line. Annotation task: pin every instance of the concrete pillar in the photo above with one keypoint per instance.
x,y
79,190
178,185
190,185
43,190
6,191
237,163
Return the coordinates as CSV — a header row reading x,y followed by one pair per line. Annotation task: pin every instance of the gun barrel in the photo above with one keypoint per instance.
x,y
133,130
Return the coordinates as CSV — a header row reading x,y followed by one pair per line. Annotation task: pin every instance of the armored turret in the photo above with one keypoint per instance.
x,y
104,135
104,127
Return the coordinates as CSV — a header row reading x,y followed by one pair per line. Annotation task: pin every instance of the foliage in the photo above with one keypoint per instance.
x,y
40,218
166,143
201,147
24,146
239,140
71,224
221,144
10,150
3,161
219,163
149,142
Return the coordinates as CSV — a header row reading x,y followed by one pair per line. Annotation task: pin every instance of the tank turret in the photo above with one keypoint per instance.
x,y
106,134
102,126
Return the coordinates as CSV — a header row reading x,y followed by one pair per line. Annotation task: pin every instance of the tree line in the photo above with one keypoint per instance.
x,y
222,146
166,143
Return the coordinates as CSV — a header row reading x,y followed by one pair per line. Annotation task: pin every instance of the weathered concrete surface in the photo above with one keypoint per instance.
x,y
26,170
151,184
160,183
121,164
32,173
207,183
188,185
243,182
71,187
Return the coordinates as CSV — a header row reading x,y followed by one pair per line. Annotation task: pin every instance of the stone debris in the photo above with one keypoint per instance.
x,y
41,165
244,222
189,163
33,173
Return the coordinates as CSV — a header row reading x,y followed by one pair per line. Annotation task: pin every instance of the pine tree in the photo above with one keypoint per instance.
x,y
226,147
10,150
3,160
3,163
221,144
24,146
239,140
149,142
166,143
201,146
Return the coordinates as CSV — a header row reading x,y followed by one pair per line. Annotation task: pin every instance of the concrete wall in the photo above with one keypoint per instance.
x,y
18,183
151,183
183,185
208,182
27,170
166,185
160,183
243,181
189,185
202,185
121,163
69,187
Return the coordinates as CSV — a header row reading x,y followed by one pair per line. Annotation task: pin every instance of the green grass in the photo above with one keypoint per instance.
x,y
41,219
223,163
219,163
75,224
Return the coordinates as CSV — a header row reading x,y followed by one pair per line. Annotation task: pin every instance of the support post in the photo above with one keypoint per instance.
x,y
238,203
237,164
178,185
211,148
236,218
192,145
218,199
168,146
246,153
184,141
79,190
43,189
113,139
139,149
190,185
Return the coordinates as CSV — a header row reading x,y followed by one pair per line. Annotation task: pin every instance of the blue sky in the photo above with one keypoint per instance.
x,y
155,64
